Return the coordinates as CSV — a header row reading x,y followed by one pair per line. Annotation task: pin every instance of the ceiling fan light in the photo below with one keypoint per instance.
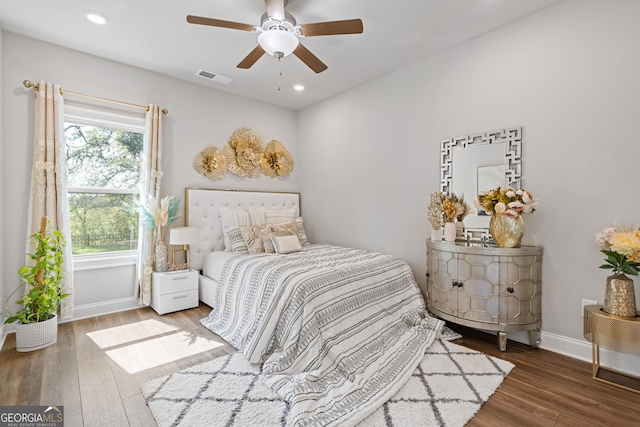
x,y
96,17
278,43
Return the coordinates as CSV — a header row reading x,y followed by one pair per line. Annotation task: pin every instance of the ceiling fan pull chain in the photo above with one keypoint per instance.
x,y
279,80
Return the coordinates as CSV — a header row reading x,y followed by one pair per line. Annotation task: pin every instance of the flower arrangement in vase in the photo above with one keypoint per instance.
x,y
622,248
506,206
158,215
443,211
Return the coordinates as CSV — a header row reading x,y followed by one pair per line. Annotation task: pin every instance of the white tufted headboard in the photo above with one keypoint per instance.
x,y
202,211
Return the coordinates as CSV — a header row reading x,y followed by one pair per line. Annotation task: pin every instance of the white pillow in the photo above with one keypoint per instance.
x,y
239,217
275,216
286,244
236,240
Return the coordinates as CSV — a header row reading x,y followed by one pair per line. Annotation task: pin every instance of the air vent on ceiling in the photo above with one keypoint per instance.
x,y
213,77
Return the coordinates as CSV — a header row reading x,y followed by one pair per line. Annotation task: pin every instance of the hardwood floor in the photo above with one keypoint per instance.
x,y
98,365
549,389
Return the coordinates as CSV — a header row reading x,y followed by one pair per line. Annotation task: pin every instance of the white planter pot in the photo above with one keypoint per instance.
x,y
34,336
436,234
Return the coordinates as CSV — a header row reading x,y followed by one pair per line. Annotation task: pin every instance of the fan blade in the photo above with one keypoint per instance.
x,y
275,9
219,23
251,59
309,58
350,26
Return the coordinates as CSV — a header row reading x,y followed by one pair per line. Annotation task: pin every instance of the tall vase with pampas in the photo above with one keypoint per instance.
x,y
159,214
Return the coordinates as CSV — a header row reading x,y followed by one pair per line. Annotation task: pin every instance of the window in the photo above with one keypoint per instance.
x,y
103,155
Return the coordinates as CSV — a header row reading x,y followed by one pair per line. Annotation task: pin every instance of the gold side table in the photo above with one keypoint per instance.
x,y
614,333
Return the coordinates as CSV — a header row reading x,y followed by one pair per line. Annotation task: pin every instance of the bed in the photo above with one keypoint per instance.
x,y
337,330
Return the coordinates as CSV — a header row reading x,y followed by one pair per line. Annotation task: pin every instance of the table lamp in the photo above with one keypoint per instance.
x,y
182,236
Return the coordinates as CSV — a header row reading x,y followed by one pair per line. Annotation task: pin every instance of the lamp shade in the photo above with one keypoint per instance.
x,y
184,235
278,43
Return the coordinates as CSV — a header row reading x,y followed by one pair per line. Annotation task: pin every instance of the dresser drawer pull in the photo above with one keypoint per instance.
x,y
179,278
180,296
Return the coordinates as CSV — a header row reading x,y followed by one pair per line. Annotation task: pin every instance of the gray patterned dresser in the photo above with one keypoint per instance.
x,y
486,287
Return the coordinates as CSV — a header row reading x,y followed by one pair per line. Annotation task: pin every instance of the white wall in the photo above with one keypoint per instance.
x,y
369,158
198,117
2,251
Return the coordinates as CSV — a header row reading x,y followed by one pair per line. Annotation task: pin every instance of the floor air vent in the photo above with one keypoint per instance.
x,y
213,77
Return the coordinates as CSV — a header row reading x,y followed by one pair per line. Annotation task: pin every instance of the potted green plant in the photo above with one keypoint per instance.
x,y
37,321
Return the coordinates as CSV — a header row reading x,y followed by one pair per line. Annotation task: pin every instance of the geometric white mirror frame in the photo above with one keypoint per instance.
x,y
469,163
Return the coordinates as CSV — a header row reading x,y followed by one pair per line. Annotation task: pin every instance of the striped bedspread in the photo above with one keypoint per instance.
x,y
338,330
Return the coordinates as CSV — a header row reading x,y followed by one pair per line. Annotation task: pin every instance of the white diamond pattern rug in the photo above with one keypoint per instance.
x,y
446,389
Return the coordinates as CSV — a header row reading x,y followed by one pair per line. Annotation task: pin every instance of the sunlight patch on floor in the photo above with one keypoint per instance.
x,y
158,351
119,335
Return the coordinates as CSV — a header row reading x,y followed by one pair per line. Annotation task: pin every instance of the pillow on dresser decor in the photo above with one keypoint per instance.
x,y
239,217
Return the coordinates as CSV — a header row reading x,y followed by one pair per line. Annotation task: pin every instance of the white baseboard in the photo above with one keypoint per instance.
x,y
107,307
83,312
581,350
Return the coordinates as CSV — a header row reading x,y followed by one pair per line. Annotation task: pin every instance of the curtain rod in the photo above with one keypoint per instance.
x,y
36,87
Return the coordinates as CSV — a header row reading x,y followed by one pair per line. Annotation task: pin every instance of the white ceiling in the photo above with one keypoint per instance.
x,y
154,35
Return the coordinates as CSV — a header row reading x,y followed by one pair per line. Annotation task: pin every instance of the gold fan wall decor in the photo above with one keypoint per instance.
x,y
244,153
277,161
210,163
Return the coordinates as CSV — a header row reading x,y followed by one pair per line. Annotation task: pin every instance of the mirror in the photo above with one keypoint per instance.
x,y
476,163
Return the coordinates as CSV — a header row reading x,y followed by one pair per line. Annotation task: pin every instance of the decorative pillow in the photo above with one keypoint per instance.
x,y
252,238
236,241
240,217
266,239
275,216
286,244
302,234
288,228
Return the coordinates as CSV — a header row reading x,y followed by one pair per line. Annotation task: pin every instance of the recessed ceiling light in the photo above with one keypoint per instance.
x,y
298,87
96,17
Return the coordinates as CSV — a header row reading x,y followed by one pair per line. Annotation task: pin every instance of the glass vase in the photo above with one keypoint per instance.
x,y
161,256
620,297
506,231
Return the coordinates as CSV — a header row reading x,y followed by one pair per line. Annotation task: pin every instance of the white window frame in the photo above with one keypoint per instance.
x,y
131,120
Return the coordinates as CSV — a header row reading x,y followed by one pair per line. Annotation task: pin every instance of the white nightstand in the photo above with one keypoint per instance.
x,y
174,291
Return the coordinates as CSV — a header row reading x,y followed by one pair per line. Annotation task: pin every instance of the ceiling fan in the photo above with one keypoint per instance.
x,y
278,34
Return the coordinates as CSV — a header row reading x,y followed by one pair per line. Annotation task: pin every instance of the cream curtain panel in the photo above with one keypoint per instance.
x,y
150,181
48,179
